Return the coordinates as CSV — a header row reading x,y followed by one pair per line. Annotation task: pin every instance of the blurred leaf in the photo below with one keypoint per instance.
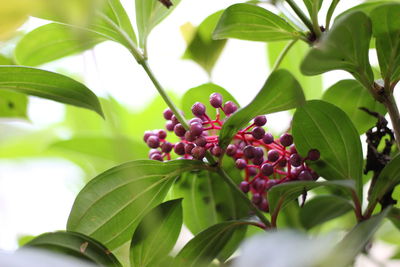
x,y
111,205
53,41
76,245
324,208
48,85
202,49
310,5
366,7
332,53
149,13
202,94
394,217
387,180
323,126
280,195
350,96
22,240
5,60
13,105
205,246
156,234
280,92
254,23
312,86
12,15
386,29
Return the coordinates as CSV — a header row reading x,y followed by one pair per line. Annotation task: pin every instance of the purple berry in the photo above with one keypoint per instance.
x,y
174,119
258,132
179,130
198,152
196,129
231,150
257,198
273,155
189,136
295,160
168,114
293,150
195,120
258,152
240,164
156,157
249,151
146,135
257,161
201,141
179,148
259,184
198,109
216,151
153,151
260,120
170,126
305,176
166,147
188,148
264,206
313,154
216,100
282,163
162,134
230,107
245,187
153,141
252,171
268,138
270,184
267,169
286,139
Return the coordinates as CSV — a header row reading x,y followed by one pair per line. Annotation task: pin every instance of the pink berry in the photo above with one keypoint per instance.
x,y
168,114
230,107
198,109
216,100
260,120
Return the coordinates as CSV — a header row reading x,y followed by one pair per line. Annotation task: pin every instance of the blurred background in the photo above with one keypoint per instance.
x,y
50,151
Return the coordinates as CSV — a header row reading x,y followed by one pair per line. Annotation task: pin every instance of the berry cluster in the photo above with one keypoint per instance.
x,y
266,161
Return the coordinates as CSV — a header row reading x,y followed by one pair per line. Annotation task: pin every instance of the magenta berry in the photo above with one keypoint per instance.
x,y
154,151
240,164
179,130
162,134
249,152
195,120
153,141
174,120
216,100
166,147
170,126
260,120
198,152
282,163
216,151
257,161
305,176
189,136
286,139
245,187
146,135
156,157
258,132
267,169
268,138
252,171
273,155
264,206
313,154
168,114
230,108
257,198
188,148
258,152
179,148
201,141
231,150
196,129
198,109
295,160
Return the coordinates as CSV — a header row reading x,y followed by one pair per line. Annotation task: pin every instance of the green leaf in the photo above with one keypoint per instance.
x,y
312,86
111,205
156,234
12,15
53,41
386,30
310,5
48,85
280,92
366,7
149,13
344,47
355,241
202,49
5,60
394,217
350,96
202,94
323,126
205,246
75,244
254,23
324,208
281,195
387,180
13,105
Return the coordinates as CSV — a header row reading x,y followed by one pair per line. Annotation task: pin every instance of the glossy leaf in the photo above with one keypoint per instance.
x,y
332,53
310,5
202,94
205,246
280,92
280,195
149,13
312,85
53,41
156,234
202,49
111,205
321,209
350,96
254,23
75,244
48,85
323,126
386,30
387,180
13,105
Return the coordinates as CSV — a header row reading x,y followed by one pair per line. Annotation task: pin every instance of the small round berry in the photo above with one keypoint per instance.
x,y
295,160
252,171
166,147
270,184
273,155
305,176
162,134
179,130
156,157
188,148
282,163
198,109
240,164
267,169
286,139
153,151
244,186
201,141
170,126
257,161
216,100
258,152
231,150
294,173
258,132
168,114
264,206
293,150
260,120
257,198
259,185
230,107
198,152
189,136
179,148
174,119
249,151
313,154
216,151
196,129
268,138
195,120
147,134
153,141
